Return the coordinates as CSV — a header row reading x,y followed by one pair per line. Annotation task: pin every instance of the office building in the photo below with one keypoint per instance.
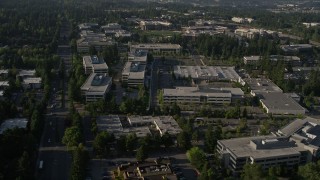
x,y
141,126
261,85
296,48
267,151
138,57
90,38
133,73
87,26
154,25
295,144
4,73
157,48
278,103
96,87
31,83
252,60
26,73
146,170
207,73
197,95
13,123
93,64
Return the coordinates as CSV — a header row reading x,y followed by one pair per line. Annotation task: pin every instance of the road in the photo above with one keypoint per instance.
x,y
154,83
56,159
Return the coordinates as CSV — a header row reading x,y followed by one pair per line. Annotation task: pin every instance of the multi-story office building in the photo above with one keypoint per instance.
x,y
207,73
295,144
93,64
96,87
197,95
133,73
157,48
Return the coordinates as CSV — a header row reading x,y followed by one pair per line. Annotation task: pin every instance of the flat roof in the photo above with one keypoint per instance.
x,y
258,85
4,71
4,83
32,80
140,119
110,123
95,62
196,92
167,124
261,147
27,72
134,70
96,83
279,101
156,46
252,58
13,123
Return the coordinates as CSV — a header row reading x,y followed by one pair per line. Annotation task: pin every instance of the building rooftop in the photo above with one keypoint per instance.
x,y
258,85
4,71
194,91
110,123
96,83
261,147
4,83
252,58
204,72
87,25
306,130
32,80
13,123
133,120
166,124
138,56
156,46
279,100
29,73
95,62
134,70
295,47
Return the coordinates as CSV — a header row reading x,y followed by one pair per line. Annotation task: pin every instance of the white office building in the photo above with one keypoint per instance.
x,y
197,95
96,87
94,64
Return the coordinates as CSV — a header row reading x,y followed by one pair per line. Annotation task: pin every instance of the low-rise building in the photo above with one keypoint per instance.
x,y
296,48
295,144
138,57
242,20
197,95
267,151
154,25
31,83
208,73
166,124
146,170
96,87
251,33
139,125
13,123
279,103
252,60
157,48
4,73
87,26
93,64
133,73
26,73
97,40
261,85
